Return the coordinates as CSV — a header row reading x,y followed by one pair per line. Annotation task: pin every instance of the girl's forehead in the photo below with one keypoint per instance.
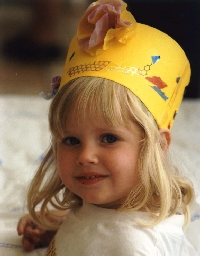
x,y
77,120
83,117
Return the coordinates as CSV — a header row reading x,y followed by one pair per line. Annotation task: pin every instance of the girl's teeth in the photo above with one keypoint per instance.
x,y
91,177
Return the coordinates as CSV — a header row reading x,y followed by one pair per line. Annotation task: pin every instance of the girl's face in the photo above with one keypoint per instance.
x,y
98,161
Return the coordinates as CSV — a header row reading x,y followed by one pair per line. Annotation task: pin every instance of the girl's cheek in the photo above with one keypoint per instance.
x,y
59,167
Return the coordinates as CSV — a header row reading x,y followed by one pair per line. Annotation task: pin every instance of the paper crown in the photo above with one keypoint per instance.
x,y
110,44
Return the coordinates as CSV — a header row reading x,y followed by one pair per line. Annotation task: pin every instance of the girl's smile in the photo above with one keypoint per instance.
x,y
90,178
98,161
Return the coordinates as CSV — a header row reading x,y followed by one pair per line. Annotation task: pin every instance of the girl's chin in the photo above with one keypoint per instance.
x,y
109,206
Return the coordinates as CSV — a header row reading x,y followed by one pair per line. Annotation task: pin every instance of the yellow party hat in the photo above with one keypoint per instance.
x,y
110,44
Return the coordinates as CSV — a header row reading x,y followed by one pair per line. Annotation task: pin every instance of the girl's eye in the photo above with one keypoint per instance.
x,y
109,138
71,141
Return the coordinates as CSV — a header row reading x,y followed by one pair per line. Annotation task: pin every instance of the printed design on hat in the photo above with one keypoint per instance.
x,y
128,70
95,66
158,83
131,70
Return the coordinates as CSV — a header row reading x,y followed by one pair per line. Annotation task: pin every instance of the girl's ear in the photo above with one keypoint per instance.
x,y
165,138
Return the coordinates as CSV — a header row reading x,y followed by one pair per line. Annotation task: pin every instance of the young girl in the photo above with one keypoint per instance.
x,y
107,172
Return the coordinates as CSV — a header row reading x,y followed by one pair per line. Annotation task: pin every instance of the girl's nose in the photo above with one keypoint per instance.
x,y
86,156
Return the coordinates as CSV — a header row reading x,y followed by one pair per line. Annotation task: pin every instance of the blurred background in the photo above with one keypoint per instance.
x,y
34,38
35,35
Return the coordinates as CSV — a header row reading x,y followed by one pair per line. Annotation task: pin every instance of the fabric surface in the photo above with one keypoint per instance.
x,y
25,138
97,231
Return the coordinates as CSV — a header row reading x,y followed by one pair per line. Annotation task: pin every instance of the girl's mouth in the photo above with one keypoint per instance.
x,y
92,177
90,180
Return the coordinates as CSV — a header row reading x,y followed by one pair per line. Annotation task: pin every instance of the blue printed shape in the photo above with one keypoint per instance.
x,y
162,94
155,59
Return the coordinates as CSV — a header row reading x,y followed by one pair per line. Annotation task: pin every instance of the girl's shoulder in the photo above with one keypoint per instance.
x,y
117,233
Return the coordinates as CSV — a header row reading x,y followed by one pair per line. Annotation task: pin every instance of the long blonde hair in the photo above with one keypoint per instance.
x,y
162,191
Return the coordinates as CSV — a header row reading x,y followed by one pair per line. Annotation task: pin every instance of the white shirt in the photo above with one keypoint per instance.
x,y
95,231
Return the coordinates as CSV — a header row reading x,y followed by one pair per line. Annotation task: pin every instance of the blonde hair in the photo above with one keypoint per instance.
x,y
162,191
